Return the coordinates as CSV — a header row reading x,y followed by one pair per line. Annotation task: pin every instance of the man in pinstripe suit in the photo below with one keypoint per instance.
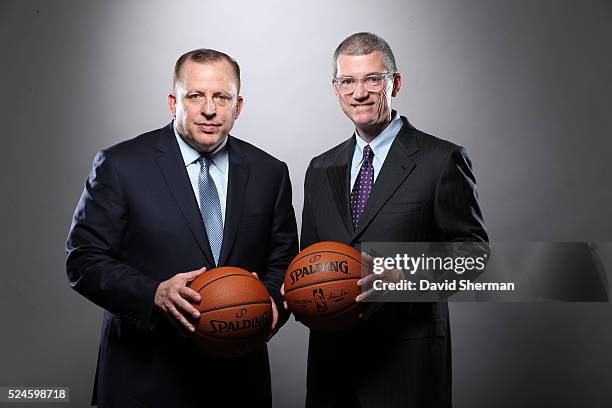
x,y
388,182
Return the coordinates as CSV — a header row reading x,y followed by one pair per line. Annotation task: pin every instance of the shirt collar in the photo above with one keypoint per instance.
x,y
219,156
381,143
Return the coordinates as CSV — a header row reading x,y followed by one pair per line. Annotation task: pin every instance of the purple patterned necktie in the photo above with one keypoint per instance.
x,y
363,185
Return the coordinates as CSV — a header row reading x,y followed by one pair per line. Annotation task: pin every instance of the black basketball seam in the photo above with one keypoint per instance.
x,y
225,276
317,282
237,304
323,252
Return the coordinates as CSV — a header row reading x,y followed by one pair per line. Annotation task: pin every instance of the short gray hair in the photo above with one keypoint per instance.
x,y
363,44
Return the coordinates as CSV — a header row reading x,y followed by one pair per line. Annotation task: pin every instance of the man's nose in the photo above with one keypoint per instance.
x,y
209,107
360,91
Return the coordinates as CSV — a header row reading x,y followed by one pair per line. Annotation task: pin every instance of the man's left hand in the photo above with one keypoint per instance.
x,y
274,314
374,297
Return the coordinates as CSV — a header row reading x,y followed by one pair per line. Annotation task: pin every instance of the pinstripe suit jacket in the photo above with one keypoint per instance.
x,y
425,192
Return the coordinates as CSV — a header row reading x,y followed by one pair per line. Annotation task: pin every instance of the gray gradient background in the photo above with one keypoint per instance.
x,y
524,85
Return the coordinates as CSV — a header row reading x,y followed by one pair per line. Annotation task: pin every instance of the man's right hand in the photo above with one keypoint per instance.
x,y
282,292
173,296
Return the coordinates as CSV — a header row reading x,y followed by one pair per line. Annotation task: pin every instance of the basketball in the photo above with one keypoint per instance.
x,y
321,286
235,312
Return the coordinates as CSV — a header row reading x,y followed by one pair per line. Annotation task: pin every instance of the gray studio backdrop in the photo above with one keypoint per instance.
x,y
524,85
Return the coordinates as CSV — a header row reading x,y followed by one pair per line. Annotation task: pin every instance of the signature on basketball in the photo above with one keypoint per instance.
x,y
337,296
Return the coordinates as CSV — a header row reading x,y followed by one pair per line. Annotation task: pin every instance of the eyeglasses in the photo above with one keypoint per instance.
x,y
372,83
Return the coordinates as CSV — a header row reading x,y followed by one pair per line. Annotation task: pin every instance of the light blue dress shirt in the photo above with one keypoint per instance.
x,y
219,169
380,146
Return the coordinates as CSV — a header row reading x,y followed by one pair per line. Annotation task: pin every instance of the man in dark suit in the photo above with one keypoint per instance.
x,y
388,183
156,212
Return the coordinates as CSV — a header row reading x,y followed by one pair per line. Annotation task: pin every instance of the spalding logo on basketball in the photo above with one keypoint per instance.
x,y
235,312
321,286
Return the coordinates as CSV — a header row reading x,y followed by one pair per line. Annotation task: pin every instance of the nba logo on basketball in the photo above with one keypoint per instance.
x,y
319,299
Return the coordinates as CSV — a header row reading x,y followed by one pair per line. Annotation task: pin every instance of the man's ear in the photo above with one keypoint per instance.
x,y
397,84
239,104
172,104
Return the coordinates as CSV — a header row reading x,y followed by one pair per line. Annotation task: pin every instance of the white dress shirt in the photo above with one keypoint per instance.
x,y
219,168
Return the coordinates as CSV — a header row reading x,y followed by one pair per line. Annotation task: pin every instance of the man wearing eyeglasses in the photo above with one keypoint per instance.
x,y
387,182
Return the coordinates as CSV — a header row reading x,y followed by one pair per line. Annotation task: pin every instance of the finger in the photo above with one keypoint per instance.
x,y
282,292
274,314
368,264
370,295
189,294
368,258
362,297
255,274
367,281
274,320
191,275
179,327
185,308
390,275
180,318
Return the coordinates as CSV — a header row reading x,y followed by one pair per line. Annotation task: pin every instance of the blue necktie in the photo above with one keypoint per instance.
x,y
210,208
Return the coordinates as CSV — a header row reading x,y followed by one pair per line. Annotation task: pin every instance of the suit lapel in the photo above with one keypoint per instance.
x,y
339,179
236,187
397,166
175,174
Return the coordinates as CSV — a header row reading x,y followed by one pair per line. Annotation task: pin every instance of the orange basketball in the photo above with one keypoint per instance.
x,y
235,312
321,286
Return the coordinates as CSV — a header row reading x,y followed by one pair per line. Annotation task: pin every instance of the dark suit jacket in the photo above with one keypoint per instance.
x,y
425,192
136,225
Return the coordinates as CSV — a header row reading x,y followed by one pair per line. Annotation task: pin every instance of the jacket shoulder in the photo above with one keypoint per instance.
x,y
330,157
254,154
139,144
429,142
435,150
